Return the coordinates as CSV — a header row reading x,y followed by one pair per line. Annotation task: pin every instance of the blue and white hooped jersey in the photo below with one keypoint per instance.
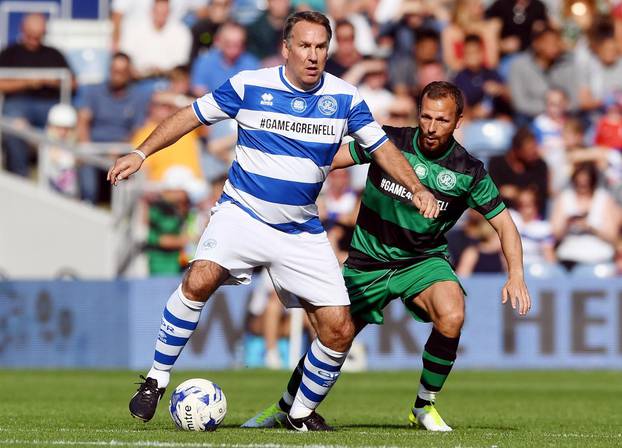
x,y
287,139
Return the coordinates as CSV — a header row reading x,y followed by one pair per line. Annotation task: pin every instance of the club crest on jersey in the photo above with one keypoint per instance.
x,y
210,243
266,99
327,105
299,105
446,180
421,171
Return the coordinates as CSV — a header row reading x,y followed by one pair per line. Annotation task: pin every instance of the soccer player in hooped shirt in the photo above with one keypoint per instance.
x,y
397,253
291,120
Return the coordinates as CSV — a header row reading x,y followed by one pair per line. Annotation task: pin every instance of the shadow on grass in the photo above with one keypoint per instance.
x,y
375,426
487,428
408,428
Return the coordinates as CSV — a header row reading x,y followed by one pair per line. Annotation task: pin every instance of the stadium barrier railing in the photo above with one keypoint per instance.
x,y
124,197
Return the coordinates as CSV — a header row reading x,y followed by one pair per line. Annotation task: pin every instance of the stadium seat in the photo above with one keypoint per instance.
x,y
545,270
246,11
85,44
487,138
599,270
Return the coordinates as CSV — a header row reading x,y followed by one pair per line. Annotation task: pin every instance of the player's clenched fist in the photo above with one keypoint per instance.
x,y
426,203
124,167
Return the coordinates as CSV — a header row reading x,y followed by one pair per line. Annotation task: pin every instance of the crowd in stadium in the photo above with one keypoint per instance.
x,y
545,78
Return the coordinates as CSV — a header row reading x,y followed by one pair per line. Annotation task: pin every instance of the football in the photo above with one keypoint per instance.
x,y
198,405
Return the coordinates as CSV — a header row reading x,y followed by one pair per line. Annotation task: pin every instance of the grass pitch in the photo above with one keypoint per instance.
x,y
486,409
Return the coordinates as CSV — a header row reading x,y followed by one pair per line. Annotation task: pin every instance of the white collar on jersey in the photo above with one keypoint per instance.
x,y
287,82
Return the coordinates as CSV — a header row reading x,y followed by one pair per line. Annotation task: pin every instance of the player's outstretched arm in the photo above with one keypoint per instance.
x,y
167,133
515,288
343,158
393,162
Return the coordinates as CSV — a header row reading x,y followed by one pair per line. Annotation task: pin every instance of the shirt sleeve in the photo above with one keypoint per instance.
x,y
223,103
59,60
5,59
362,126
494,10
86,98
484,195
120,6
359,155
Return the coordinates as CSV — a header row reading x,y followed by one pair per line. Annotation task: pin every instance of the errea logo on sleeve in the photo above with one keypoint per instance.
x,y
266,99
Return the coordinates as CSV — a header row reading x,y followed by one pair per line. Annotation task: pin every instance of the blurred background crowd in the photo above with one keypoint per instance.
x,y
542,81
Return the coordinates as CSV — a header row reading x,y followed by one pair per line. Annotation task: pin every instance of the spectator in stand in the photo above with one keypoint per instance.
x,y
108,112
59,164
265,34
226,58
608,161
426,73
267,324
426,50
166,239
463,235
340,206
402,113
372,88
577,19
157,42
309,5
346,56
483,257
517,19
483,88
585,220
548,127
126,13
536,233
602,74
427,46
609,126
616,16
28,101
535,72
519,168
268,327
204,30
367,31
184,152
202,212
618,257
179,81
414,16
468,19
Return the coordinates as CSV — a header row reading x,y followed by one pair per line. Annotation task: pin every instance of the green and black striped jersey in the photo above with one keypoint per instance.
x,y
389,230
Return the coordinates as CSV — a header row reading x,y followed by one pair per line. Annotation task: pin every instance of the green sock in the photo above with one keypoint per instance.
x,y
438,359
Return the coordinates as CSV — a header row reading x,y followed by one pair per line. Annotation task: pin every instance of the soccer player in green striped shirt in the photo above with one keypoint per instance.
x,y
398,253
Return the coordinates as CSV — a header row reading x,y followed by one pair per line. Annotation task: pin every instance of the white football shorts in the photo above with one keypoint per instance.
x,y
302,266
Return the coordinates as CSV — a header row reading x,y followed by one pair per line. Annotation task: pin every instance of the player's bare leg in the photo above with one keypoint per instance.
x,y
444,303
179,320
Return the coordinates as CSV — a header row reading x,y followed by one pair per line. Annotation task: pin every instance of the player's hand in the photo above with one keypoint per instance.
x,y
124,167
426,203
516,290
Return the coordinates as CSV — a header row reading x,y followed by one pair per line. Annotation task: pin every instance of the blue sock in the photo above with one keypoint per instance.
x,y
179,320
321,370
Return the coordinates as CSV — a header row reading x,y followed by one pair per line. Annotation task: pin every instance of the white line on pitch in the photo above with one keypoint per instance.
x,y
119,443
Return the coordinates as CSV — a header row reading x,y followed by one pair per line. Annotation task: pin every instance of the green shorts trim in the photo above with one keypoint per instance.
x,y
371,291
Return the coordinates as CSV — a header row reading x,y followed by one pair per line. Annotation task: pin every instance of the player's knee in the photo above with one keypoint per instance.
x,y
452,322
340,334
193,289
199,282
